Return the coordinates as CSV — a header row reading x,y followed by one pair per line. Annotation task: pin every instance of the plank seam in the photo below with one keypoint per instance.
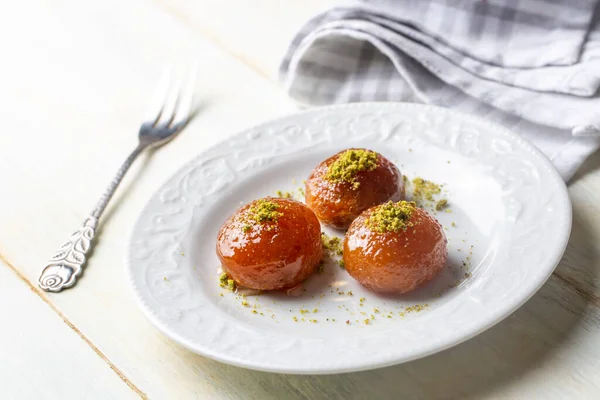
x,y
41,295
569,282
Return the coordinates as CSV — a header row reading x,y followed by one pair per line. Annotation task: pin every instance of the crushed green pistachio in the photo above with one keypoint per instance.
x,y
264,210
391,217
246,228
285,195
321,267
416,308
350,163
342,264
332,244
226,282
441,204
424,190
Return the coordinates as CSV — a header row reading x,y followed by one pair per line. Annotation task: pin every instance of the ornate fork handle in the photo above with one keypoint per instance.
x,y
64,268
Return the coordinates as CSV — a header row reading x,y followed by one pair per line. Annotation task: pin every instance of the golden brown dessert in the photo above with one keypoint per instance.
x,y
346,184
395,248
269,244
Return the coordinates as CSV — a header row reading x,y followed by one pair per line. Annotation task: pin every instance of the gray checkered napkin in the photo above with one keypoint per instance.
x,y
530,65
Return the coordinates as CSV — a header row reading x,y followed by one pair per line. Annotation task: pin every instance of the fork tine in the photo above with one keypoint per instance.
x,y
170,104
186,98
158,99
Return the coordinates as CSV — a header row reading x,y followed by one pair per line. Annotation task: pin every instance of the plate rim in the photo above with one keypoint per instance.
x,y
207,352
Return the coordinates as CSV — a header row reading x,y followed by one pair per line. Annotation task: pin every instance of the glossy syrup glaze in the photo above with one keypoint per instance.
x,y
338,203
270,255
395,262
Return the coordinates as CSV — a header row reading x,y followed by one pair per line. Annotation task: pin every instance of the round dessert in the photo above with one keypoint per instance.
x,y
343,186
395,248
270,244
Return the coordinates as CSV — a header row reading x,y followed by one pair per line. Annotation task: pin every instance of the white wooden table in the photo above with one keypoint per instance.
x,y
74,79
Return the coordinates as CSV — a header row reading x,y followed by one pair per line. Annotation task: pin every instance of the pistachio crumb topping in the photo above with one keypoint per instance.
x,y
285,195
226,282
321,267
391,217
424,189
264,210
441,204
350,163
332,244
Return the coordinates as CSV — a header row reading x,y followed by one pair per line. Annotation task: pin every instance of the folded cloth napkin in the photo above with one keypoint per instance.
x,y
530,65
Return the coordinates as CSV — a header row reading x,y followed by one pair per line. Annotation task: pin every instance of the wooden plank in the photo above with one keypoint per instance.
x,y
256,32
75,119
42,358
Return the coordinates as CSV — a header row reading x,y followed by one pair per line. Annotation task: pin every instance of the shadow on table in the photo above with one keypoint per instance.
x,y
590,165
522,343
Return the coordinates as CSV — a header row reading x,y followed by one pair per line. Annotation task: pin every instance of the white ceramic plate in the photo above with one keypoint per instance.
x,y
506,201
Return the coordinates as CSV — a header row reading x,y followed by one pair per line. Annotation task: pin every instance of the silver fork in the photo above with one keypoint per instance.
x,y
170,112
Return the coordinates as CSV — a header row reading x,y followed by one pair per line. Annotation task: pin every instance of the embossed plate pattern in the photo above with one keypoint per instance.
x,y
508,225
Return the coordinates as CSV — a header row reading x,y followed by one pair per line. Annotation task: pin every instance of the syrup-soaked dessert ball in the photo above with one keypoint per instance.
x,y
395,248
270,244
343,186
